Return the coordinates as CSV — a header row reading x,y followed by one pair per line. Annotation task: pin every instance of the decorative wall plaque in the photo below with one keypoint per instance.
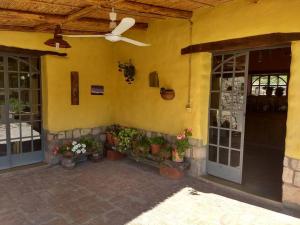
x,y
74,88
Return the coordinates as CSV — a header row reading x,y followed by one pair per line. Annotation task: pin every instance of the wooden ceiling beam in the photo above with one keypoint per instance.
x,y
48,20
258,41
31,29
81,13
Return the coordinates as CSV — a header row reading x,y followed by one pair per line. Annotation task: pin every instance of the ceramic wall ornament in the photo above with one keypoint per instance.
x,y
74,88
128,70
153,79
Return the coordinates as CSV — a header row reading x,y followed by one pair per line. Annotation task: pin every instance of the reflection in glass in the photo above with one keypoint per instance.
x,y
212,153
36,128
240,63
213,136
226,101
217,60
215,82
225,119
3,150
237,120
214,100
15,146
235,158
24,80
13,80
224,137
228,63
1,79
26,145
227,82
213,118
223,156
24,64
25,99
36,98
12,64
35,81
37,145
236,139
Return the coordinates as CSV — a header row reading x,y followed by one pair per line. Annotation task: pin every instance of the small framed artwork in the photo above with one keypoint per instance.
x,y
97,90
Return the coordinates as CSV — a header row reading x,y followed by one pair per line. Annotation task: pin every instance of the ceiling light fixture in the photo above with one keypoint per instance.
x,y
57,41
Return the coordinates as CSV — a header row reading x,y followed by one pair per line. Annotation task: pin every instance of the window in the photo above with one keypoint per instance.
x,y
261,82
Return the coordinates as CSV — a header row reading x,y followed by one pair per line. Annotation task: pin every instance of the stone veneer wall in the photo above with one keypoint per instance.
x,y
291,182
196,154
54,139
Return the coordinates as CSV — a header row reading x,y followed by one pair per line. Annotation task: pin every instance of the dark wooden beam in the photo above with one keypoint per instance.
x,y
258,41
4,48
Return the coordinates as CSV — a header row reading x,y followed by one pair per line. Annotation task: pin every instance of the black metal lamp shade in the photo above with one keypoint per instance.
x,y
57,41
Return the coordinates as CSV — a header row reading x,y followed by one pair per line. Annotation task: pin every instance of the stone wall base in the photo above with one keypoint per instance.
x,y
196,154
291,182
54,139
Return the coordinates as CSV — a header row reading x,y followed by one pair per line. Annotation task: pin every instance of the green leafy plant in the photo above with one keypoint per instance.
x,y
15,105
92,145
126,137
157,140
182,141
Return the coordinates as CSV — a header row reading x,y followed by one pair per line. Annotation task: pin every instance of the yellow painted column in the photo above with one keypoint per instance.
x,y
292,148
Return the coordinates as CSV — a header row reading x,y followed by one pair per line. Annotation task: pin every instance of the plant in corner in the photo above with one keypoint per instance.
x,y
126,137
182,144
156,143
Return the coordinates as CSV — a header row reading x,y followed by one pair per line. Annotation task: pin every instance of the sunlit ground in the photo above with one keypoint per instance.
x,y
189,207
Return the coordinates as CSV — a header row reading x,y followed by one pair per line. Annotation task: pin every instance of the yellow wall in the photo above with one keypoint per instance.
x,y
92,59
141,106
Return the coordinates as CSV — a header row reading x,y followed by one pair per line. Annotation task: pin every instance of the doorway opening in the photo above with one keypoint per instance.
x,y
265,124
247,120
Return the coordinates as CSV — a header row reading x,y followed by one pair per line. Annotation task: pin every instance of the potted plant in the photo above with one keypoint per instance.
x,y
79,150
156,143
128,70
141,146
67,156
112,135
181,145
125,140
94,148
166,152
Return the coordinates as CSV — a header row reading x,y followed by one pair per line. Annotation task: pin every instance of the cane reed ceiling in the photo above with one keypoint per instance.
x,y
91,16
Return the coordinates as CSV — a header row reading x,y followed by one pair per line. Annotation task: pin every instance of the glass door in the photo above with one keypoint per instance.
x,y
21,122
227,115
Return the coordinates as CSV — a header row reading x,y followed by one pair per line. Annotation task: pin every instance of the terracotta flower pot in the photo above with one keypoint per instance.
x,y
155,149
176,157
115,140
109,138
114,155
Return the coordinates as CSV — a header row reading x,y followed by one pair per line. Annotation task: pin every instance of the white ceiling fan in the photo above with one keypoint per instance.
x,y
116,34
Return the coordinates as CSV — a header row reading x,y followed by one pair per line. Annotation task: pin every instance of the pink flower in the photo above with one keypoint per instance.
x,y
179,137
189,130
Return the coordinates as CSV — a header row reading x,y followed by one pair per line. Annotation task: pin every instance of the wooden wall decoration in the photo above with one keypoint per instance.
x,y
153,79
74,88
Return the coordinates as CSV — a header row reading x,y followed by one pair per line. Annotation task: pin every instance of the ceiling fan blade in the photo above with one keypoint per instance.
x,y
124,25
83,35
134,42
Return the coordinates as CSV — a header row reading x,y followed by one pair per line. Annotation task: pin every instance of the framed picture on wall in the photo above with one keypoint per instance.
x,y
97,90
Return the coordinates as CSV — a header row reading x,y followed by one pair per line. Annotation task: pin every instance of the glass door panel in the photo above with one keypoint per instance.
x,y
20,110
226,116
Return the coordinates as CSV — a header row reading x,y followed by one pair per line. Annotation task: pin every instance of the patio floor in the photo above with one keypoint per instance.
x,y
102,193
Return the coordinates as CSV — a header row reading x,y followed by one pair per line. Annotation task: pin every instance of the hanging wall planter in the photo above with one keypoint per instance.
x,y
128,71
167,94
